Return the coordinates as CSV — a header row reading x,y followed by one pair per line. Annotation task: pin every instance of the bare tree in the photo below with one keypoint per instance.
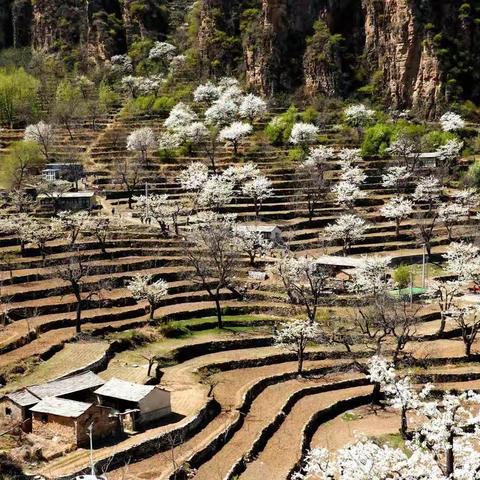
x,y
128,171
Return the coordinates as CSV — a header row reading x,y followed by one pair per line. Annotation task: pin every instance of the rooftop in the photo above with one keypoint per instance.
x,y
132,392
65,386
344,262
261,228
68,195
61,407
23,397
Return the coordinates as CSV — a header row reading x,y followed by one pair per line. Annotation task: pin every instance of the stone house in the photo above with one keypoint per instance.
x,y
82,200
269,232
136,404
71,172
17,405
70,419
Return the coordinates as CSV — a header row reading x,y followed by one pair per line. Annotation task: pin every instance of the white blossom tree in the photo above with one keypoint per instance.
x,y
397,209
252,107
207,92
252,243
43,134
304,280
294,336
142,140
216,192
221,113
234,133
372,276
451,214
449,152
407,149
162,51
180,116
74,223
303,135
428,190
348,229
396,177
463,259
258,189
359,117
451,121
144,287
346,194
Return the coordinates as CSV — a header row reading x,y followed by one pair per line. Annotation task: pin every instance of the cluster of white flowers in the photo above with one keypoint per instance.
x,y
395,177
303,134
371,276
234,133
143,287
348,228
398,208
451,121
450,151
428,190
135,86
319,156
121,64
358,116
162,51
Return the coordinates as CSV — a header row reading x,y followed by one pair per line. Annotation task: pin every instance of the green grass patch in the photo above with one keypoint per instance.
x,y
393,440
351,417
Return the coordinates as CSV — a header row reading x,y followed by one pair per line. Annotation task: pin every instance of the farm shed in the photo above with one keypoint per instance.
x,y
269,232
70,200
71,172
70,419
137,404
16,407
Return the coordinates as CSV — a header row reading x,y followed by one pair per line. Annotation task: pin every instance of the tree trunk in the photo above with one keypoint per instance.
x,y
397,228
468,348
78,317
130,200
449,457
404,426
219,313
443,321
300,363
152,311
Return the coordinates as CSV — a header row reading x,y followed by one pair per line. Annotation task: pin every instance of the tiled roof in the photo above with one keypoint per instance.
x,y
23,397
66,386
132,392
61,407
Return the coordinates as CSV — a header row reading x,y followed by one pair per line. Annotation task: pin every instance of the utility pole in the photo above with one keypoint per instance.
x,y
90,435
424,267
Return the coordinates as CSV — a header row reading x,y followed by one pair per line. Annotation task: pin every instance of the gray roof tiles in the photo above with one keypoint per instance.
x,y
61,407
23,397
66,386
132,392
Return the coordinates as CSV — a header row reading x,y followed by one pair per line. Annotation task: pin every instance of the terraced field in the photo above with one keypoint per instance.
x,y
240,410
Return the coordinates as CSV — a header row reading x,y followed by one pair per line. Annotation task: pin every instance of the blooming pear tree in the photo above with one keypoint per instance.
x,y
101,227
304,280
207,92
396,177
252,107
407,149
428,190
163,52
142,140
252,243
451,121
467,318
372,276
348,229
399,392
294,336
212,253
397,209
359,117
449,152
217,192
445,293
234,133
463,259
41,133
451,214
73,223
303,135
143,287
258,189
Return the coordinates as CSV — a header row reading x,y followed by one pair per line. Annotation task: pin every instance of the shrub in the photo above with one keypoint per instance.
x,y
163,105
310,115
473,174
279,129
173,331
295,154
377,140
401,276
435,139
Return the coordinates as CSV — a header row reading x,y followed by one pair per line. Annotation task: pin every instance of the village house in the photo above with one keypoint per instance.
x,y
81,200
269,232
136,404
71,172
18,405
70,419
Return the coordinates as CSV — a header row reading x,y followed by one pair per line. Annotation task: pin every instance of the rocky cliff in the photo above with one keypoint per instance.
x,y
413,53
410,53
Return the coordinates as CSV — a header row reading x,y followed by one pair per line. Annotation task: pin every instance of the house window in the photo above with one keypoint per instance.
x,y
44,417
8,411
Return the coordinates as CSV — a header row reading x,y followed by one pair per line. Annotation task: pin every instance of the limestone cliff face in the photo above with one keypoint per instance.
x,y
395,45
415,52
